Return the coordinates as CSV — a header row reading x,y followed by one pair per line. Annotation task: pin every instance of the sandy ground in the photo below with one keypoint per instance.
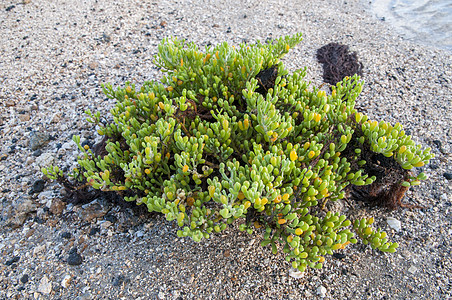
x,y
55,55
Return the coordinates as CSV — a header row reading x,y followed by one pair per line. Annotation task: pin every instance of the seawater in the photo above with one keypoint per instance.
x,y
423,21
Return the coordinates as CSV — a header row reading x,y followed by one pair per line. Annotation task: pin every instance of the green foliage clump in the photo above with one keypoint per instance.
x,y
228,134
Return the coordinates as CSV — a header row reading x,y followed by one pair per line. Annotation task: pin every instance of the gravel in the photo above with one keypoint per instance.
x,y
55,56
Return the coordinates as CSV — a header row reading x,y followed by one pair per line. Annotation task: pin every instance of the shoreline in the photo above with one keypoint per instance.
x,y
407,21
55,57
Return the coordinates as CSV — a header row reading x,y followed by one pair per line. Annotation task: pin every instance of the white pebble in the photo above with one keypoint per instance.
x,y
321,291
295,273
38,249
66,281
394,224
45,286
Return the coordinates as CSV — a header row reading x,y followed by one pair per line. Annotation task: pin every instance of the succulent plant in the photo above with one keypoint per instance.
x,y
228,135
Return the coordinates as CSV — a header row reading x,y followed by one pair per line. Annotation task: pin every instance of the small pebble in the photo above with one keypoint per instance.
x,y
321,291
66,235
339,255
394,223
93,231
12,260
118,280
74,259
38,186
294,273
66,281
38,139
24,278
45,286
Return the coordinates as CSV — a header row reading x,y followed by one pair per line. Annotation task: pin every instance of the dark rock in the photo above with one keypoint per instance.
x,y
66,235
74,259
339,255
118,280
12,260
93,231
437,143
38,220
9,8
37,153
448,176
113,219
38,139
38,186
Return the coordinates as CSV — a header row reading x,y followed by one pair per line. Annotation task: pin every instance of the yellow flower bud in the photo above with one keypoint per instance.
x,y
419,164
402,149
211,189
246,123
282,221
257,224
317,117
293,155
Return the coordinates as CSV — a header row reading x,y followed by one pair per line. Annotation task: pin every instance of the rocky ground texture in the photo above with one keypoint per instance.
x,y
54,57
